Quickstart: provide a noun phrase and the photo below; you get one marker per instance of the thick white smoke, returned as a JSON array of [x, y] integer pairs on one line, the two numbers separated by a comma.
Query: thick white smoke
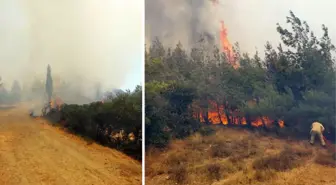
[[84, 41], [250, 22]]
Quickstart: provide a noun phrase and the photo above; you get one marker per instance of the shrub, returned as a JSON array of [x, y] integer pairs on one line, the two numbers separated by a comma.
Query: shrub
[[206, 131], [176, 159], [238, 149], [116, 123], [287, 159], [213, 171], [326, 159], [264, 175], [178, 173]]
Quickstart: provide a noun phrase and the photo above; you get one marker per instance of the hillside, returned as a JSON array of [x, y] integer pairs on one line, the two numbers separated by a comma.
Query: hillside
[[232, 156], [34, 152]]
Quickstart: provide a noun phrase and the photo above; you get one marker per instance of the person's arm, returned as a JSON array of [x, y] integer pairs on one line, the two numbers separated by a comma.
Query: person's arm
[[322, 128]]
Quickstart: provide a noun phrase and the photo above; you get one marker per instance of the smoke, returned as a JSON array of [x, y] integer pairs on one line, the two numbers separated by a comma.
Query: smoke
[[84, 41], [251, 23], [184, 21]]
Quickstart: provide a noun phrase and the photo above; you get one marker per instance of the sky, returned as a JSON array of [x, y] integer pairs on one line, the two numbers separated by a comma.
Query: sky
[[251, 23], [84, 41]]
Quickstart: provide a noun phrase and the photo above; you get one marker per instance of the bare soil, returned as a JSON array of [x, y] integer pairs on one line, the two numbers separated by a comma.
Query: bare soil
[[33, 152]]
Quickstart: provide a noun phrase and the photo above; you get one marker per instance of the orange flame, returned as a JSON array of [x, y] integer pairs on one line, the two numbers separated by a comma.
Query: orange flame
[[225, 43], [216, 115], [56, 103]]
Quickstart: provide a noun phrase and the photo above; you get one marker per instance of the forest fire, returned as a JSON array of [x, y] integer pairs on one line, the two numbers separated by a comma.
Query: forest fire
[[56, 103], [217, 115], [227, 47]]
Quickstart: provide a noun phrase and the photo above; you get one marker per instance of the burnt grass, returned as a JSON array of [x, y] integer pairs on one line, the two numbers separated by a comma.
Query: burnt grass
[[203, 159]]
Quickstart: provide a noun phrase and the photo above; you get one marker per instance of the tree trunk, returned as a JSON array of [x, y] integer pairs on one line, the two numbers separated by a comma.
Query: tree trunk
[[219, 114]]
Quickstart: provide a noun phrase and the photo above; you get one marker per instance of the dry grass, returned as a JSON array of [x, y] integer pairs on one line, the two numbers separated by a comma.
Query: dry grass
[[178, 173], [213, 171], [326, 159], [230, 157], [287, 159], [219, 146], [264, 175]]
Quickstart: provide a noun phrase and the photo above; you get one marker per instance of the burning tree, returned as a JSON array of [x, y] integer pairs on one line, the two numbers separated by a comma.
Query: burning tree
[[291, 87]]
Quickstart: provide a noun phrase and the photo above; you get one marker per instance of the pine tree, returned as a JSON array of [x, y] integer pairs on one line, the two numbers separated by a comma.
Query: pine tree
[[98, 92], [49, 84], [16, 91]]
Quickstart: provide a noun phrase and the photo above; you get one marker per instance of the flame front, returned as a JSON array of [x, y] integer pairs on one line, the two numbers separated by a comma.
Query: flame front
[[226, 46], [216, 115], [56, 103]]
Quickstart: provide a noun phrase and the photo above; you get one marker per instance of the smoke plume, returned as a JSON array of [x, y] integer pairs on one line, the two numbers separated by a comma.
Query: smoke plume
[[251, 23], [84, 41]]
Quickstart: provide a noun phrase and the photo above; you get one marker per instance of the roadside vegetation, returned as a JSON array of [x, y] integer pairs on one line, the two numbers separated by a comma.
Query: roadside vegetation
[[116, 123]]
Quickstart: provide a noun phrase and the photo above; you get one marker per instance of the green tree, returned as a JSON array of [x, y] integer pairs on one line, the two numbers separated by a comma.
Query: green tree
[[294, 82], [49, 84], [98, 92], [16, 91]]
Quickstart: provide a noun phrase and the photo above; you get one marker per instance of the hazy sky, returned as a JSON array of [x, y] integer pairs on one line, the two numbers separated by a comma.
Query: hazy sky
[[249, 22], [83, 40]]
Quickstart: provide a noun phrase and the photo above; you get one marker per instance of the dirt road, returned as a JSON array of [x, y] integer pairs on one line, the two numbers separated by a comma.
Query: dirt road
[[33, 152]]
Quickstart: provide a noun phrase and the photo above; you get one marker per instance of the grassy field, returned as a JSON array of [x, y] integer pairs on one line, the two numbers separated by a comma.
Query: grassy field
[[232, 156]]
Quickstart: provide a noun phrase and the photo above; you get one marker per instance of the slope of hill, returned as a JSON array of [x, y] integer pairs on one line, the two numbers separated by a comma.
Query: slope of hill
[[34, 152], [232, 156]]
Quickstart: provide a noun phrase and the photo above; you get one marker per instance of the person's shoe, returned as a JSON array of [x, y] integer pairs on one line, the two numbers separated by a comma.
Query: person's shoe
[[311, 143]]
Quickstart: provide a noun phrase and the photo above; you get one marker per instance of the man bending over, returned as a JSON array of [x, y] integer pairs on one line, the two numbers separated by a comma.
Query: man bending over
[[316, 130]]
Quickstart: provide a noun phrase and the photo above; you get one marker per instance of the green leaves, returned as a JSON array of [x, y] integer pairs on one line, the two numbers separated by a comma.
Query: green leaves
[[49, 84], [294, 82], [101, 121]]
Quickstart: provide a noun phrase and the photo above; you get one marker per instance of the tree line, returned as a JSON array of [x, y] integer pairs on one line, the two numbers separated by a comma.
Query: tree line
[[115, 122], [294, 83], [11, 96]]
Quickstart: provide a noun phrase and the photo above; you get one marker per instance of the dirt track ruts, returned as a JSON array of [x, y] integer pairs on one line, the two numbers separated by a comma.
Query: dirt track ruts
[[33, 152]]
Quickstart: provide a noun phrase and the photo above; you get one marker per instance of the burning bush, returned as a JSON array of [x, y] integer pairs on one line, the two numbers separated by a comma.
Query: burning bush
[[288, 88], [116, 123]]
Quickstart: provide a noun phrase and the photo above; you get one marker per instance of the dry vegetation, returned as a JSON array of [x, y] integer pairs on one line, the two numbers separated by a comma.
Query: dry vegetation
[[231, 157]]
